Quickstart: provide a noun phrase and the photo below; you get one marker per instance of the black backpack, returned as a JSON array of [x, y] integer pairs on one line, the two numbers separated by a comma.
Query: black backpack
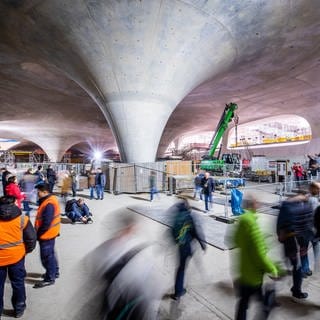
[[69, 204]]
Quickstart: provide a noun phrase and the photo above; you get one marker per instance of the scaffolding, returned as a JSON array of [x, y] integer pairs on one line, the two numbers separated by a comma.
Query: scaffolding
[[35, 157], [66, 157], [7, 157]]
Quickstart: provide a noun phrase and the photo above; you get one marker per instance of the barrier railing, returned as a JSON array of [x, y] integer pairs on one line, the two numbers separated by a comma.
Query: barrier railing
[[268, 194]]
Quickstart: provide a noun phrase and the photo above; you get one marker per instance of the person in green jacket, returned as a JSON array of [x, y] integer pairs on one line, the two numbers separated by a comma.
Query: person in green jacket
[[253, 260]]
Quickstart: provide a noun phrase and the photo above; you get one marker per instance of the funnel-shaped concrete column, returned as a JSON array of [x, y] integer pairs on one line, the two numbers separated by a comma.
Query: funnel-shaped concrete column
[[139, 125], [138, 59], [54, 153], [55, 146]]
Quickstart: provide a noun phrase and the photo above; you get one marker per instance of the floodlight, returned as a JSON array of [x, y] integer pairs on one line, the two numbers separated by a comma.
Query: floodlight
[[97, 155]]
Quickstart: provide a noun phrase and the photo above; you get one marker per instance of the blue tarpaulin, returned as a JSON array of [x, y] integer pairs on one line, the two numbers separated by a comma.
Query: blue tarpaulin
[[236, 199]]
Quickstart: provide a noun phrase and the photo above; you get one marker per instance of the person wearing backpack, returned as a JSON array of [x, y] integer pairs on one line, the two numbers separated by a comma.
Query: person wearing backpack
[[184, 231], [294, 226], [198, 186]]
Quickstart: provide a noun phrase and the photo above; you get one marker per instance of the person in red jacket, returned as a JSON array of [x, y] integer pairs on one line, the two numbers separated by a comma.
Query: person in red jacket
[[12, 189]]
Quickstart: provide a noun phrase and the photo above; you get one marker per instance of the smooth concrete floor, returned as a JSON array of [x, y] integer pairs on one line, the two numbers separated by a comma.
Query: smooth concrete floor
[[210, 293]]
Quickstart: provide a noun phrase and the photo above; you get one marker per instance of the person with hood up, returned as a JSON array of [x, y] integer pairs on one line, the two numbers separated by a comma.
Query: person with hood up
[[17, 237]]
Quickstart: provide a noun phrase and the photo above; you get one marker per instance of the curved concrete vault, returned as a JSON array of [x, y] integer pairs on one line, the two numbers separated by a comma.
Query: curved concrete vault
[[138, 60]]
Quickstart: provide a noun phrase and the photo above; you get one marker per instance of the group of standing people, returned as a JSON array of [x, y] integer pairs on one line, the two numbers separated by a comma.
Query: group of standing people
[[24, 190], [97, 182], [311, 171]]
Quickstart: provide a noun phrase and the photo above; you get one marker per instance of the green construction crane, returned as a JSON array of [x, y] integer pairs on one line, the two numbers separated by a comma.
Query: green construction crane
[[210, 163]]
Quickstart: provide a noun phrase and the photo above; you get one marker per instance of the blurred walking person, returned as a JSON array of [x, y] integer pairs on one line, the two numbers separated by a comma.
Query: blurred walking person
[[184, 232], [294, 223], [51, 177], [253, 261], [17, 238], [27, 186], [153, 185], [198, 187], [65, 185], [40, 178], [317, 235], [313, 199], [124, 281]]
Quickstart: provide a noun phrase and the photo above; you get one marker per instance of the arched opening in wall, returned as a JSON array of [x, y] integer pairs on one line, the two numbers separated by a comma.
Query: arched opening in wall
[[276, 131], [23, 152], [87, 152], [189, 146]]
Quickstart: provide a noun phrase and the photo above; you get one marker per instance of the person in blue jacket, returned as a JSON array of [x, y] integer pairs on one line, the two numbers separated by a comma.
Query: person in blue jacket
[[100, 184], [294, 230], [207, 184], [79, 211]]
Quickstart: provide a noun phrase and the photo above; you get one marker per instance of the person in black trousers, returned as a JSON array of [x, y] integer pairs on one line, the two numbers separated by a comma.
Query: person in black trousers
[[184, 231], [294, 229], [207, 185]]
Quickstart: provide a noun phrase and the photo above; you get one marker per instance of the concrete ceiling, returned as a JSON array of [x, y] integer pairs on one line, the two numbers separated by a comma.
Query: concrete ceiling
[[137, 74]]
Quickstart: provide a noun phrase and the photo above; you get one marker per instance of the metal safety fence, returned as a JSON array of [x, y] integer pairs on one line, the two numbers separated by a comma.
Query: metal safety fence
[[268, 195], [170, 176]]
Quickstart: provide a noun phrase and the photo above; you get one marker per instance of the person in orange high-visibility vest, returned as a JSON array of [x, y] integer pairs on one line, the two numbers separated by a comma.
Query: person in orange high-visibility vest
[[17, 237], [47, 226]]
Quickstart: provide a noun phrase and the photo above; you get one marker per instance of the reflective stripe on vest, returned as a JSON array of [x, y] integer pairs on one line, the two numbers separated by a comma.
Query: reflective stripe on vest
[[10, 244], [52, 225], [16, 243], [12, 233]]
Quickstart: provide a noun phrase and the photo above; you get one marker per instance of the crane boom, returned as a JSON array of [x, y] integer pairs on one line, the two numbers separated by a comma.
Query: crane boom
[[209, 163], [222, 126]]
